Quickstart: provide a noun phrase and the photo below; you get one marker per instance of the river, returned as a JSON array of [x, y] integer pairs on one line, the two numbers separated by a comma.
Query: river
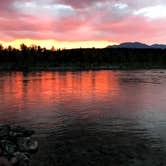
[[107, 117]]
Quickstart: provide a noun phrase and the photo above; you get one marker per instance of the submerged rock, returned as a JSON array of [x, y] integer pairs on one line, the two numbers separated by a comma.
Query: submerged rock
[[27, 144], [16, 145], [21, 159], [8, 147]]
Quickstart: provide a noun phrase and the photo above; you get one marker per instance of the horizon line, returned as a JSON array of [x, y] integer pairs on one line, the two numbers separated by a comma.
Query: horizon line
[[49, 43]]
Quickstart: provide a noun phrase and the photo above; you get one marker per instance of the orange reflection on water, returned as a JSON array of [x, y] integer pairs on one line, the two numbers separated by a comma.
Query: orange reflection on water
[[46, 87], [77, 85], [12, 84]]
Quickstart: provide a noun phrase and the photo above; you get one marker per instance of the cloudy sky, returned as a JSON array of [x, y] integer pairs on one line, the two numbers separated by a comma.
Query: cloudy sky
[[87, 23]]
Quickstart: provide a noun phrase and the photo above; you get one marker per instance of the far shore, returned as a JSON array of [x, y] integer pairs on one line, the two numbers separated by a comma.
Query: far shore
[[78, 68], [37, 59]]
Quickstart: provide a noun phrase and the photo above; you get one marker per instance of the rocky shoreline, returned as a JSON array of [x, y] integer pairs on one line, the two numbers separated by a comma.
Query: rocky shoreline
[[16, 145]]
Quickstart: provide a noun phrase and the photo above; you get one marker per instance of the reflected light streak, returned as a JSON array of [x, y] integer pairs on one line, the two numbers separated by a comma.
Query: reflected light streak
[[49, 87]]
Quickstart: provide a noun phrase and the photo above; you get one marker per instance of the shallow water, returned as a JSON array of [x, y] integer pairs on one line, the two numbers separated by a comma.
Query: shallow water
[[90, 117]]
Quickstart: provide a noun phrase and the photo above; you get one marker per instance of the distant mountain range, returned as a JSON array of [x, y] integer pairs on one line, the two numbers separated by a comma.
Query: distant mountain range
[[138, 45]]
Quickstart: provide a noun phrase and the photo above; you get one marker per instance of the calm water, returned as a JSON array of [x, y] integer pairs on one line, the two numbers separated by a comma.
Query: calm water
[[89, 117]]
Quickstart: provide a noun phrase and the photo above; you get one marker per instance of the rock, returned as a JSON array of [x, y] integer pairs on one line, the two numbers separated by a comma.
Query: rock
[[27, 144], [18, 131], [21, 159], [4, 131], [14, 135], [16, 146], [8, 147]]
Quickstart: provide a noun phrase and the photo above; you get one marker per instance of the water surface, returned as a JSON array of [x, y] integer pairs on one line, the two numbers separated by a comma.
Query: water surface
[[90, 117]]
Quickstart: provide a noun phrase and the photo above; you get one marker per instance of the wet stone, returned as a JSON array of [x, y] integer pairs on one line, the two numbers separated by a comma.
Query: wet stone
[[8, 147], [27, 144], [21, 159], [16, 145]]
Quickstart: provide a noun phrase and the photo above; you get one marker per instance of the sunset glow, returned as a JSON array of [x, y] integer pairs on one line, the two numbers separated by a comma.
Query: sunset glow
[[74, 24], [57, 44]]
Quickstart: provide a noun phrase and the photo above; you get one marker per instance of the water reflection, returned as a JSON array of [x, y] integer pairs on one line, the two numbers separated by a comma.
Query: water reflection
[[80, 116], [74, 85]]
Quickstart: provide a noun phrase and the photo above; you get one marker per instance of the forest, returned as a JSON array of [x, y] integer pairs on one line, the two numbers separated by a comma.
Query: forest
[[35, 57]]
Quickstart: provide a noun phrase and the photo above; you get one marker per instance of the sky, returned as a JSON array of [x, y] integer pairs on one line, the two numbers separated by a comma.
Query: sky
[[85, 23]]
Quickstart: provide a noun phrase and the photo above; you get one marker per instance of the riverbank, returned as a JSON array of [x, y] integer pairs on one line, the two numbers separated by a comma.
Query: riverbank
[[77, 68]]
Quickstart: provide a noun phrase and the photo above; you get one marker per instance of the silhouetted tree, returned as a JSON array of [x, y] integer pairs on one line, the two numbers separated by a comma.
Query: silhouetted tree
[[10, 48], [23, 47], [53, 48], [32, 56], [1, 47]]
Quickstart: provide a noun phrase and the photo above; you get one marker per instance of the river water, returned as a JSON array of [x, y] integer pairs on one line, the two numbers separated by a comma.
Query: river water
[[90, 117]]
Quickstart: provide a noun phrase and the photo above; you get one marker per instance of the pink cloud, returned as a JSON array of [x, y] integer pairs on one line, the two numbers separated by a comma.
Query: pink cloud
[[81, 20]]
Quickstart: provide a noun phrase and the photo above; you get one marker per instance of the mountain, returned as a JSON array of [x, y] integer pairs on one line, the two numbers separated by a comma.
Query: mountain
[[130, 45], [138, 45], [160, 46]]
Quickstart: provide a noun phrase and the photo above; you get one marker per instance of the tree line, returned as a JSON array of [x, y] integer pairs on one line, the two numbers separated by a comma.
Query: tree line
[[35, 56]]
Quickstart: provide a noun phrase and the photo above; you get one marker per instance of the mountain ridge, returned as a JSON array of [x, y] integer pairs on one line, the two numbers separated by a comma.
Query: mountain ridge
[[138, 45]]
